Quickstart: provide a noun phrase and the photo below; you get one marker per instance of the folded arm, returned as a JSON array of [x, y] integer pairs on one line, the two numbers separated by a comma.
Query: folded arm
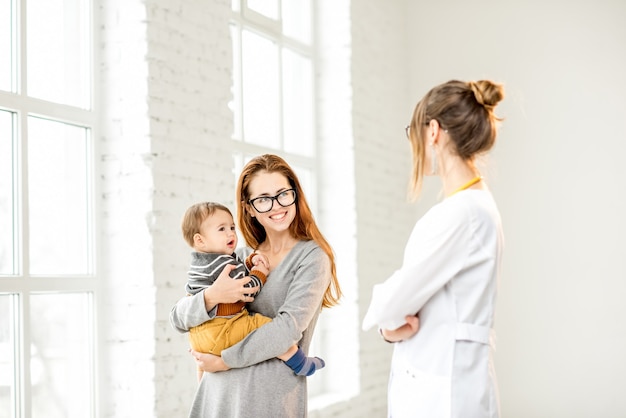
[[191, 311], [434, 254]]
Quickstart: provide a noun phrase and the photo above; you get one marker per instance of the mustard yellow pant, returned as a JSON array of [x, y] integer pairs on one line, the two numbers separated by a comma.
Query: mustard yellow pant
[[220, 333]]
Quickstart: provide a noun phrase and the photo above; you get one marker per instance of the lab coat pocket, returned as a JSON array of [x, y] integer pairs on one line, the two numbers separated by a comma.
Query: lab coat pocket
[[412, 390], [474, 390]]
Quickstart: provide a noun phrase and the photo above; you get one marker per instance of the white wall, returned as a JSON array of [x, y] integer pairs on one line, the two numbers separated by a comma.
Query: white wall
[[166, 73], [384, 216], [556, 173], [165, 81]]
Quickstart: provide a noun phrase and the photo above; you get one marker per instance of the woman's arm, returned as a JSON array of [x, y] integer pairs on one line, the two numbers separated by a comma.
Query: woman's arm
[[189, 312], [405, 332], [194, 310], [227, 290], [436, 251], [302, 302], [209, 362]]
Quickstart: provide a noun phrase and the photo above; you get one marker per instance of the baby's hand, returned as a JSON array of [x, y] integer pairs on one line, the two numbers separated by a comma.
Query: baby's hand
[[260, 259]]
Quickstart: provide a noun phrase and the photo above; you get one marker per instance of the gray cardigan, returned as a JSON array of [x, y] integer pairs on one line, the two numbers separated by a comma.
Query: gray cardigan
[[258, 384]]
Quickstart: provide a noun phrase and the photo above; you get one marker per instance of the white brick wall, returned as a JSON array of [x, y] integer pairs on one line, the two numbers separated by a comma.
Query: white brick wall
[[165, 86], [379, 78], [165, 144], [190, 62], [127, 297]]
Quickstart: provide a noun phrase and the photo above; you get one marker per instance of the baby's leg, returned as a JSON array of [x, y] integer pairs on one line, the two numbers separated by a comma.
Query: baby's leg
[[299, 363], [294, 357]]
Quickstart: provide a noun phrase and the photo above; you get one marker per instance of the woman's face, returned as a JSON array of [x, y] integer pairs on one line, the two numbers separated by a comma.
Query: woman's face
[[265, 184]]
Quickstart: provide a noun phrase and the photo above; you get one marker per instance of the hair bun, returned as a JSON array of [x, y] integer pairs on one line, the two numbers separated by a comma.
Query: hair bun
[[487, 92]]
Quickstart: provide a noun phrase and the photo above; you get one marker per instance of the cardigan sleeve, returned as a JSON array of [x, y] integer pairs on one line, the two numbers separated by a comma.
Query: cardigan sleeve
[[190, 312], [435, 252]]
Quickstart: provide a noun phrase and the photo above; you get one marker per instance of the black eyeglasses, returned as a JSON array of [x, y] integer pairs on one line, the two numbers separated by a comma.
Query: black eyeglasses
[[407, 129], [264, 204]]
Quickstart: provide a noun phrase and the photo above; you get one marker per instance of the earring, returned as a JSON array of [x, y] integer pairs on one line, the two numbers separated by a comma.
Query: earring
[[433, 160]]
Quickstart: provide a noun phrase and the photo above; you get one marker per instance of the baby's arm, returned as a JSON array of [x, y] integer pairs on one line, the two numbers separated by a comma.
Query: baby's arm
[[258, 265], [258, 262]]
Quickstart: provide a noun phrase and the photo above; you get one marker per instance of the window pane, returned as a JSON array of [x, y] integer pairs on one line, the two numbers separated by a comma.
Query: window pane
[[58, 52], [7, 254], [61, 355], [260, 91], [58, 198], [268, 8], [297, 103], [297, 20], [8, 366], [6, 51]]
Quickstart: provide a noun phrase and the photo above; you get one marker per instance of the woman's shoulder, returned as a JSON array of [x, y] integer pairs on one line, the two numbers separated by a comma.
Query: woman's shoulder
[[307, 249], [471, 209], [462, 202], [304, 247], [457, 212]]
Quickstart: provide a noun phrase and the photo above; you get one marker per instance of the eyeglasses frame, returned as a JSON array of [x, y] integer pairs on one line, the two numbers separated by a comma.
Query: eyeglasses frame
[[407, 129], [274, 199]]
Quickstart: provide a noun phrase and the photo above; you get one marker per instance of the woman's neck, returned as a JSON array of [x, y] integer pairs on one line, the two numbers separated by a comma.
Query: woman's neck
[[276, 247], [458, 175], [278, 243]]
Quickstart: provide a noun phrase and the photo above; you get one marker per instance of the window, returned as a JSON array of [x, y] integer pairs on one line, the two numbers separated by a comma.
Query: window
[[47, 246], [273, 104], [282, 70]]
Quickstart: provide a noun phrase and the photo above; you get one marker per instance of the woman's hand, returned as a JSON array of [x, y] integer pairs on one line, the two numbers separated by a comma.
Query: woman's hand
[[405, 332], [227, 290], [209, 362]]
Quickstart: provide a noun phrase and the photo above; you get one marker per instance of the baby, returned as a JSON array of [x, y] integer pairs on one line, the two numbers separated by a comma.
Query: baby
[[209, 229]]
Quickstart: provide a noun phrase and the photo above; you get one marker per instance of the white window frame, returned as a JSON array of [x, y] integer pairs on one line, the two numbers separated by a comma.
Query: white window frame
[[253, 21], [22, 285]]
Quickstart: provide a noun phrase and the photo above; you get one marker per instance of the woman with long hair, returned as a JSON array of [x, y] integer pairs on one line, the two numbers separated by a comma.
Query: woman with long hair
[[438, 307], [275, 221]]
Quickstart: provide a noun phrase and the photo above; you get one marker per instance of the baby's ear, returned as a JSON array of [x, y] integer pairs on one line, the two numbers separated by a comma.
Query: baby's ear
[[197, 239]]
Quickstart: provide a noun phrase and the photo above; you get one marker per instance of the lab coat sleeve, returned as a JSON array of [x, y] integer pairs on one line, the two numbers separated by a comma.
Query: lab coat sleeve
[[435, 252]]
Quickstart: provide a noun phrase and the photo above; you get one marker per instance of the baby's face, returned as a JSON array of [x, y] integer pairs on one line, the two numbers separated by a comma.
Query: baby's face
[[217, 234]]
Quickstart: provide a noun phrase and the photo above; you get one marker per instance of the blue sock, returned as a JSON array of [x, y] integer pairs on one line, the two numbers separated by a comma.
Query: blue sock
[[303, 365]]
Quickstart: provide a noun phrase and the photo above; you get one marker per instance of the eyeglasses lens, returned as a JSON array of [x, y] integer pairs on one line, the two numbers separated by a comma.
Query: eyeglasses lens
[[265, 203]]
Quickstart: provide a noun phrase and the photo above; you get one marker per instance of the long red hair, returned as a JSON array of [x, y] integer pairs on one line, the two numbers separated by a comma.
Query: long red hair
[[303, 226]]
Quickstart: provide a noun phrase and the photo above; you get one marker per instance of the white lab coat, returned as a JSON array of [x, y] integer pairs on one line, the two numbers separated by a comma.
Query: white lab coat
[[449, 275]]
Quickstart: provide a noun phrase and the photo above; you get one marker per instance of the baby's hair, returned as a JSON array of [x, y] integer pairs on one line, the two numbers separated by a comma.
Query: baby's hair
[[195, 215]]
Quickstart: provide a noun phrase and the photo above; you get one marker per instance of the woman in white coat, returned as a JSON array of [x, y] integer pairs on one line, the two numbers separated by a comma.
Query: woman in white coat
[[438, 307]]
